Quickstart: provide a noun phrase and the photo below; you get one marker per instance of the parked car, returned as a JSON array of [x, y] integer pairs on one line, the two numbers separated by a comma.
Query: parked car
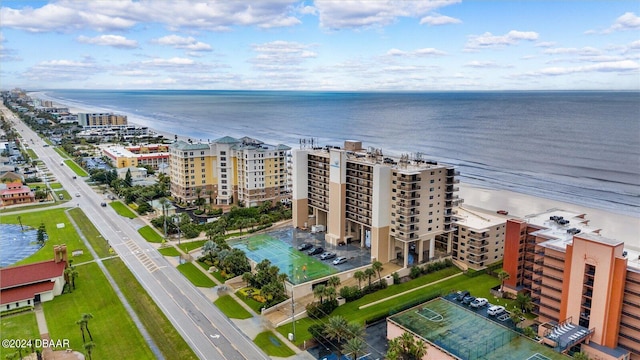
[[340, 260], [304, 246], [494, 310], [478, 303], [461, 295], [468, 299], [315, 251], [327, 255], [103, 204]]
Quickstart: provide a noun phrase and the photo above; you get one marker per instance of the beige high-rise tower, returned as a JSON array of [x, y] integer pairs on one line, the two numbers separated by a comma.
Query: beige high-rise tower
[[400, 208]]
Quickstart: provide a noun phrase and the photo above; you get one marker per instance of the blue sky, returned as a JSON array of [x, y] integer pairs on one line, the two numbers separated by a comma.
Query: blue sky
[[320, 45]]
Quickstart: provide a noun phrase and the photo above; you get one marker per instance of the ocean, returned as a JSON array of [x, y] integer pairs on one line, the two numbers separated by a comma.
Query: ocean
[[581, 147]]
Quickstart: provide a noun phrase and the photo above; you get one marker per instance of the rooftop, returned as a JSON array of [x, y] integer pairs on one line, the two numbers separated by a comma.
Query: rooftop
[[478, 219], [31, 273], [21, 293]]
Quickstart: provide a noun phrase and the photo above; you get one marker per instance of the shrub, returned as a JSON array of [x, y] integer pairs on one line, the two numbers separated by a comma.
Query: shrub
[[396, 278], [350, 293], [415, 272], [317, 331], [319, 310]]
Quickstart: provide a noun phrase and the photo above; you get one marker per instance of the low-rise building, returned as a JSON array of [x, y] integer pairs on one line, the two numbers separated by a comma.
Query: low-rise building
[[101, 119], [152, 155], [27, 285], [16, 193]]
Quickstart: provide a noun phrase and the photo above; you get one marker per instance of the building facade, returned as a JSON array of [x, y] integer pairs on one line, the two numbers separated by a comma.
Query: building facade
[[576, 276], [16, 193], [101, 119], [478, 238], [228, 171], [402, 209], [156, 156]]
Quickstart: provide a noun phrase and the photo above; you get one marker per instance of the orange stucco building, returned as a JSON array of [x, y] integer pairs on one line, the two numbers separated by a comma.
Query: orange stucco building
[[576, 276]]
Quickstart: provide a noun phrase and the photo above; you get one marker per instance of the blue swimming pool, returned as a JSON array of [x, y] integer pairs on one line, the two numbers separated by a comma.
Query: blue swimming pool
[[16, 244]]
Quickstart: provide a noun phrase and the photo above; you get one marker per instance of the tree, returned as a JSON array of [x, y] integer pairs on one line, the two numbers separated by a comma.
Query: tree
[[209, 250], [330, 293], [42, 234], [89, 347], [503, 276], [581, 356], [529, 332], [406, 347], [319, 292], [354, 348], [86, 317], [20, 222], [82, 323], [247, 277], [359, 275], [336, 329], [333, 281], [128, 179], [524, 302], [516, 316], [377, 267], [369, 272]]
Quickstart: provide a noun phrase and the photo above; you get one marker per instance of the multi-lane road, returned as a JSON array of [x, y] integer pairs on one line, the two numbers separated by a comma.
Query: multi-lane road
[[210, 333]]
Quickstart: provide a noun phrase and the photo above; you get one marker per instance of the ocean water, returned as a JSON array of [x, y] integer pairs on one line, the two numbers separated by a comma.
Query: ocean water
[[578, 147]]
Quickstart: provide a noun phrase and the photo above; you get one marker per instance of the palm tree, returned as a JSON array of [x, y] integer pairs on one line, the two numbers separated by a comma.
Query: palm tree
[[86, 317], [319, 292], [335, 329], [247, 277], [330, 293], [209, 250], [524, 302], [354, 347], [82, 324], [89, 347], [359, 275], [333, 281], [406, 347], [516, 316], [74, 275], [377, 267], [369, 272], [198, 190], [503, 276]]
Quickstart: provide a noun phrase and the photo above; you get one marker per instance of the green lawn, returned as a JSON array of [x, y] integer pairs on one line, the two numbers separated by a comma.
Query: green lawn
[[270, 344], [98, 243], [61, 151], [56, 185], [32, 154], [65, 235], [166, 337], [188, 246], [123, 210], [150, 234], [230, 307], [478, 286], [113, 330], [76, 169], [65, 195], [215, 274], [19, 326], [169, 251], [196, 276]]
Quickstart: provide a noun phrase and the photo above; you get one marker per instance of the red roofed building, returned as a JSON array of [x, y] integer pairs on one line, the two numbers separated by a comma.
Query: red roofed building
[[26, 285], [16, 193]]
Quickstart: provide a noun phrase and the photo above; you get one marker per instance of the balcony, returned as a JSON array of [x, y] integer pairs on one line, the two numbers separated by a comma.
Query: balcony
[[408, 196], [408, 187]]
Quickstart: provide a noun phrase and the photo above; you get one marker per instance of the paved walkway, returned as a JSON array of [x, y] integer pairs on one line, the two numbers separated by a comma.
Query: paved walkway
[[47, 352]]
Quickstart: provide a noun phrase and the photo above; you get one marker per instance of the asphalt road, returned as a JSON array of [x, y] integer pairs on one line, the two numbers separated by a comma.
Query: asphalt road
[[210, 333]]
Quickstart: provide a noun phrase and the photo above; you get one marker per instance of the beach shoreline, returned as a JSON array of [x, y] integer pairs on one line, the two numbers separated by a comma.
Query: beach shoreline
[[614, 225]]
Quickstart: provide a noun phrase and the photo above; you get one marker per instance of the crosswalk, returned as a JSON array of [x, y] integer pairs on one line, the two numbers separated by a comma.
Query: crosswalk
[[135, 250]]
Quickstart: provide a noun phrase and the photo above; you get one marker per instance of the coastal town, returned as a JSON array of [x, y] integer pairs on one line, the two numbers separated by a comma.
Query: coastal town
[[232, 248]]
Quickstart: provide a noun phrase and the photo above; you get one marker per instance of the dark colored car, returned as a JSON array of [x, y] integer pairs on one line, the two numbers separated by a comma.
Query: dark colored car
[[468, 299], [304, 246], [103, 204], [315, 251], [461, 295]]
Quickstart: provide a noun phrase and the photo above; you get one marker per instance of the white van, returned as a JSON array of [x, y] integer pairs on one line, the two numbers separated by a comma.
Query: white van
[[494, 310]]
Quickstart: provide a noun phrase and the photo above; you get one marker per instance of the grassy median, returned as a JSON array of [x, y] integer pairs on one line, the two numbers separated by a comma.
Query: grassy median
[[197, 277], [230, 307], [123, 210], [150, 234]]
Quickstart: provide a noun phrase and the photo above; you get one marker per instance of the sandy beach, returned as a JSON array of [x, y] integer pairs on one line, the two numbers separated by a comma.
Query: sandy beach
[[615, 226]]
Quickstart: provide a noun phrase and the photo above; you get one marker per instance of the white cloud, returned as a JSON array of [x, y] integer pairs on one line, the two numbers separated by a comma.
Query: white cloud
[[216, 15], [179, 42], [366, 13], [582, 51], [63, 70], [545, 44], [437, 19], [281, 56], [610, 66], [488, 40], [485, 64], [628, 21], [415, 53], [116, 41], [176, 61]]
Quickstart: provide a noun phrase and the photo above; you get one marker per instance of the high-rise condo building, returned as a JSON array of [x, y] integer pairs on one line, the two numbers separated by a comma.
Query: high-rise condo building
[[101, 119], [577, 279], [228, 171], [478, 238], [400, 208]]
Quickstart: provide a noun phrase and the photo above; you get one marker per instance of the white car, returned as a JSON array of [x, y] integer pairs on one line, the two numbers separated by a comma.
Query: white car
[[478, 303], [495, 310], [340, 260]]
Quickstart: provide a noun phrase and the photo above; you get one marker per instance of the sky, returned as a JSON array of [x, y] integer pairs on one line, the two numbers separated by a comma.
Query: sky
[[344, 45]]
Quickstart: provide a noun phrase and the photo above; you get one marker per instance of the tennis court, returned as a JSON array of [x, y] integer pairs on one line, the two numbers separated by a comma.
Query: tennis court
[[468, 335], [296, 264]]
